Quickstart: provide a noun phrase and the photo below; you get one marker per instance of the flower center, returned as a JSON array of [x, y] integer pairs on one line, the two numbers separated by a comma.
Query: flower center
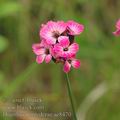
[[56, 34], [65, 49], [47, 51], [70, 61]]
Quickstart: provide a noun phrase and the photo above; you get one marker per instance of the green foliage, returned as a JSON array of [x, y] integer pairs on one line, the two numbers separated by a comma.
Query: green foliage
[[9, 8], [20, 21], [3, 44], [15, 84]]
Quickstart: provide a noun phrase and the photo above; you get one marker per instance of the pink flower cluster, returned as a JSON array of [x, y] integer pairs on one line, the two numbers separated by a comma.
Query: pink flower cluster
[[57, 43], [117, 32]]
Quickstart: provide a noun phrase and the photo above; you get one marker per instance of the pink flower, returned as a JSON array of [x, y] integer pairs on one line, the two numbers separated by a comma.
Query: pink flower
[[71, 62], [58, 43], [52, 30], [74, 28], [117, 32], [42, 53], [64, 49]]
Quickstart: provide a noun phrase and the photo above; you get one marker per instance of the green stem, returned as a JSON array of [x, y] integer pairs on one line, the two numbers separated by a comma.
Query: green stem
[[71, 97]]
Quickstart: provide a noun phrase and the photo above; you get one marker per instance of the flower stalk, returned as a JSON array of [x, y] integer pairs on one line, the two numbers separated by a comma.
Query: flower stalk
[[71, 97]]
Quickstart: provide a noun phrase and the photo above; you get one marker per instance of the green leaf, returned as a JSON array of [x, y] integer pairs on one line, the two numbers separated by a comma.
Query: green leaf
[[3, 43]]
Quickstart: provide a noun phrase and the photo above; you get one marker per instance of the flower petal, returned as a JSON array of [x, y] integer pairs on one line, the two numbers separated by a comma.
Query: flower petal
[[75, 63], [118, 24], [61, 26], [66, 67], [64, 41], [74, 48], [51, 41], [40, 59], [45, 44], [38, 49], [48, 58], [58, 48], [74, 28], [66, 54], [37, 45], [46, 33], [117, 32], [52, 52]]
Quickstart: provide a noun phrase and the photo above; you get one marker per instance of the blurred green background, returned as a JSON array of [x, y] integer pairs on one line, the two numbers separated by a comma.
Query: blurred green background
[[96, 85]]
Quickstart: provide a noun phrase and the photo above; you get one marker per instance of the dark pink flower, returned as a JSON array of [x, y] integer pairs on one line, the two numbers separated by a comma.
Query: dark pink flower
[[74, 28], [42, 53], [64, 49], [117, 32], [52, 30], [71, 62]]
